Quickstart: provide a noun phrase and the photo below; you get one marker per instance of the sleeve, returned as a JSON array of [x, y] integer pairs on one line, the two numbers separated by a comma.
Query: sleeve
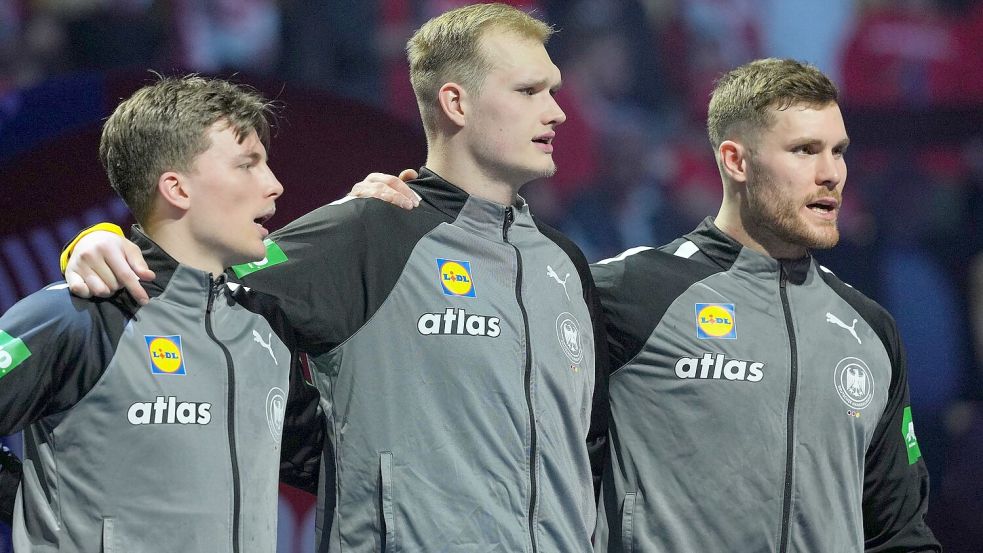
[[10, 476], [303, 432], [303, 422], [315, 267], [620, 343], [50, 355], [895, 498], [597, 435]]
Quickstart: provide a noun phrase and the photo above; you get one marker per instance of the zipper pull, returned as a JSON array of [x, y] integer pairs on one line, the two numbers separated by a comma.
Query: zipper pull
[[213, 288], [509, 218]]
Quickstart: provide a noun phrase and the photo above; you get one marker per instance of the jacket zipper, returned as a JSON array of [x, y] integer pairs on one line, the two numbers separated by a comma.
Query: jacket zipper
[[509, 219], [231, 415], [790, 414]]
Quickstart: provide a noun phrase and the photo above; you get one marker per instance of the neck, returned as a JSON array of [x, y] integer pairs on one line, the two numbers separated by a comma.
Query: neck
[[731, 221], [176, 239], [461, 170]]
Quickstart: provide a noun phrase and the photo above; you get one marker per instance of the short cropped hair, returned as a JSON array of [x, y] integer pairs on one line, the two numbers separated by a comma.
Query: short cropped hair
[[448, 49], [743, 98], [163, 127]]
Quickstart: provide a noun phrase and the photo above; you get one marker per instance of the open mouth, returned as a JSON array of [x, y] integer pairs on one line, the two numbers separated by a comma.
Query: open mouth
[[263, 218], [824, 206], [545, 138]]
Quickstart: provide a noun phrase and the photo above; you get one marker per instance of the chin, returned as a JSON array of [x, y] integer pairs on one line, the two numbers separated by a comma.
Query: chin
[[253, 255], [818, 238], [544, 171]]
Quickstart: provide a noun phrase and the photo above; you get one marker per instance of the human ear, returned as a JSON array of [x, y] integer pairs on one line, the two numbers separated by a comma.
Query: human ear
[[452, 99], [172, 187], [733, 160]]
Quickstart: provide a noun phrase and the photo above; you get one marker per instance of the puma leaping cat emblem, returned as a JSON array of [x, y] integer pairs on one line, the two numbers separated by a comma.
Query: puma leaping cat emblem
[[259, 340], [831, 318], [552, 274]]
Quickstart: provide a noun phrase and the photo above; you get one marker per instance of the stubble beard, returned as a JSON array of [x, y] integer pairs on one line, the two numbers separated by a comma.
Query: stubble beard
[[778, 216]]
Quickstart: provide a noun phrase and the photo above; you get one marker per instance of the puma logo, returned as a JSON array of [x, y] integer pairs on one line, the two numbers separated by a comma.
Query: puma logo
[[552, 274], [831, 318], [259, 340]]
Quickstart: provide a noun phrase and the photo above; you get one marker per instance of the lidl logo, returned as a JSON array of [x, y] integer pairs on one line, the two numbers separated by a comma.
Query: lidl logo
[[166, 355], [456, 278], [274, 256], [715, 321], [13, 352]]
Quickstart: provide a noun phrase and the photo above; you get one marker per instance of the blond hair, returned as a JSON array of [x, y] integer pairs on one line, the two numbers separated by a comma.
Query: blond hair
[[448, 49], [163, 127], [743, 98]]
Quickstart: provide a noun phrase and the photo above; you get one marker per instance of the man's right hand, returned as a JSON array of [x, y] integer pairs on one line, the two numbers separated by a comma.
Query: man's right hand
[[389, 188], [102, 262]]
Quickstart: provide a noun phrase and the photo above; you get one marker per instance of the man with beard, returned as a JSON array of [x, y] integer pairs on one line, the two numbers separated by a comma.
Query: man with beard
[[757, 402]]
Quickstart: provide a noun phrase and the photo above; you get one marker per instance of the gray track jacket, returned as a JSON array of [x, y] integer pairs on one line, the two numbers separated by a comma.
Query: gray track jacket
[[455, 353], [756, 406], [147, 429]]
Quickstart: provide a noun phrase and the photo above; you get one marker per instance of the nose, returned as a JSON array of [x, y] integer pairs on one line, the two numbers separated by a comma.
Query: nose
[[830, 170], [554, 114], [276, 188]]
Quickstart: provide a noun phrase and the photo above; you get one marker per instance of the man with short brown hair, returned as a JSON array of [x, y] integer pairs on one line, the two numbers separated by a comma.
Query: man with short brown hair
[[157, 426], [758, 403]]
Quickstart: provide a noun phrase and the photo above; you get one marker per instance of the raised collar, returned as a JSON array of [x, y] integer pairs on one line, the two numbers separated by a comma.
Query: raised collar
[[723, 250], [173, 281], [483, 217]]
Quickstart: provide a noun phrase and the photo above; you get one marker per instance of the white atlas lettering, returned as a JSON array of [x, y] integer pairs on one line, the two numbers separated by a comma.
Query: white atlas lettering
[[718, 367], [168, 410], [457, 322]]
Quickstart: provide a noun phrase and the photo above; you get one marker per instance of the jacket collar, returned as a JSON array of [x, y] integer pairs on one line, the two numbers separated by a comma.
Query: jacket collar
[[723, 250], [472, 213], [179, 283]]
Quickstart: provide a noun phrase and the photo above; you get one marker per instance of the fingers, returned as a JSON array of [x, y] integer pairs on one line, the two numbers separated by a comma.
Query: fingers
[[76, 284], [387, 188], [408, 175], [131, 270], [402, 188], [102, 263], [96, 269]]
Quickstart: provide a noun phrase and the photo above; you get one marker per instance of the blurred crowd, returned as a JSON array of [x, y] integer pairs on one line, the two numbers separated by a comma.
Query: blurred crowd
[[635, 164]]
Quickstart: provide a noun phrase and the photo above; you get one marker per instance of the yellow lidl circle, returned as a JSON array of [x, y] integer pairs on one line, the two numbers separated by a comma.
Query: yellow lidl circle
[[456, 278], [165, 355], [715, 321]]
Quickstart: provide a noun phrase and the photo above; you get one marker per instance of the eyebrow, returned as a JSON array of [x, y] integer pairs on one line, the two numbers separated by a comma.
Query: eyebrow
[[810, 140], [254, 157], [540, 83]]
